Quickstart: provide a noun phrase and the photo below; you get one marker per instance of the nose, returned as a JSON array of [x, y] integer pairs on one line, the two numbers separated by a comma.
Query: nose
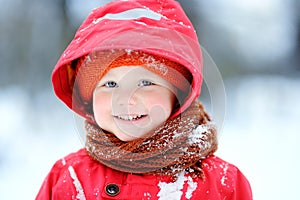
[[125, 96]]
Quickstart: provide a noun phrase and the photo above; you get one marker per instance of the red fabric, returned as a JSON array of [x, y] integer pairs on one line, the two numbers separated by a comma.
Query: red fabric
[[172, 37], [221, 181]]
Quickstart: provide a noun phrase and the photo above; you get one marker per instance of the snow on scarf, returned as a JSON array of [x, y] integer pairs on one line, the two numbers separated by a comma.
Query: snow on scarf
[[180, 144]]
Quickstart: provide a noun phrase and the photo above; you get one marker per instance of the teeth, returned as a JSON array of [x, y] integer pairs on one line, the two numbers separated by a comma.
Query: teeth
[[129, 118]]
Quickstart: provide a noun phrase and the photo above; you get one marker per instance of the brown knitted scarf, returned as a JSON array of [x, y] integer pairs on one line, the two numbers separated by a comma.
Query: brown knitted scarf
[[180, 144]]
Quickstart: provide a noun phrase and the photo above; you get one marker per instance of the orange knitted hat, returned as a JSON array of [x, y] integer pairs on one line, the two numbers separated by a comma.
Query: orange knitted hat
[[95, 65]]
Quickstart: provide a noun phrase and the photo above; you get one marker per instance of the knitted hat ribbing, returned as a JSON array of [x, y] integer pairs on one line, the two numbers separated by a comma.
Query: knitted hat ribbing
[[98, 63]]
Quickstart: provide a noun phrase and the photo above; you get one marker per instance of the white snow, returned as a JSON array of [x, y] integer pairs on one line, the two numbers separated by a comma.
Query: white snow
[[198, 135], [192, 186], [224, 173], [80, 193], [34, 133], [172, 190], [63, 161], [260, 136], [147, 196]]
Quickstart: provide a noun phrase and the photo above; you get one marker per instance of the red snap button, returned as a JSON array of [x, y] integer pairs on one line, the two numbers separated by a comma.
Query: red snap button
[[112, 189]]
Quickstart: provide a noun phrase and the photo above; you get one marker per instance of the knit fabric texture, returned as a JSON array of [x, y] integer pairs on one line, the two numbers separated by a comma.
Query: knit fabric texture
[[178, 145], [94, 66]]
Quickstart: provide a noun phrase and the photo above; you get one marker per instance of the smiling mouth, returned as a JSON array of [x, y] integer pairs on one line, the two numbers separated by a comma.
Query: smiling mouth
[[130, 117]]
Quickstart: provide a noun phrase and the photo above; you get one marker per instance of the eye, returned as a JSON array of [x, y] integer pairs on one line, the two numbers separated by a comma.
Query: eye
[[110, 84], [145, 83]]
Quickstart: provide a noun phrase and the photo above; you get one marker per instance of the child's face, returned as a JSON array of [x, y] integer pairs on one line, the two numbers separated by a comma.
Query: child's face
[[131, 101]]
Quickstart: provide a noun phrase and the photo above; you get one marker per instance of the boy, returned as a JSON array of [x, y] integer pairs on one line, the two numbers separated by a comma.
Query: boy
[[133, 71]]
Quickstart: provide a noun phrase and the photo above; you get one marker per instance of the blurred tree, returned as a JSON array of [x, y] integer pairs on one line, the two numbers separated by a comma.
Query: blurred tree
[[297, 51], [67, 29], [50, 34], [33, 34]]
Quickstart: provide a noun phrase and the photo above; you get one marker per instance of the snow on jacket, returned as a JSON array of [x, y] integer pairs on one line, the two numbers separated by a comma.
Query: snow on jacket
[[158, 27], [77, 176]]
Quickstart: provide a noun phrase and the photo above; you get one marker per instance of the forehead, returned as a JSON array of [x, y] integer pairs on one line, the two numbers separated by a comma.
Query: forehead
[[129, 71], [135, 73]]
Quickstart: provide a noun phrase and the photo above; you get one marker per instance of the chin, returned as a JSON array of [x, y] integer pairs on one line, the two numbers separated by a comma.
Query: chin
[[127, 137]]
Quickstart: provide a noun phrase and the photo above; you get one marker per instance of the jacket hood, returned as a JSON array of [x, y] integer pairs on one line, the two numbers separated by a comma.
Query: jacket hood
[[157, 27]]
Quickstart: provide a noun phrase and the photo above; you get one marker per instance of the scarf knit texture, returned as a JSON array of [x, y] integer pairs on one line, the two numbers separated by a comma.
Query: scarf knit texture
[[178, 145]]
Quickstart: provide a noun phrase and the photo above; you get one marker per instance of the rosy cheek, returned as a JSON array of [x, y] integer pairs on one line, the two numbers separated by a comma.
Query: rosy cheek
[[101, 104], [101, 97], [164, 98], [159, 107]]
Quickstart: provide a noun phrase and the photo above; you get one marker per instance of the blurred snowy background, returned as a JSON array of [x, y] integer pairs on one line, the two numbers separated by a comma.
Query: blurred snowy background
[[255, 44]]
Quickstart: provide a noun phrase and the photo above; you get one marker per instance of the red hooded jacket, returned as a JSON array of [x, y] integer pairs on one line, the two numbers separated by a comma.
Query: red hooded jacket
[[77, 176], [158, 27]]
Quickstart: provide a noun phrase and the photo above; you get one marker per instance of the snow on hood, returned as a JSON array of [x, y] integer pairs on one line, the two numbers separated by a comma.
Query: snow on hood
[[155, 27]]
